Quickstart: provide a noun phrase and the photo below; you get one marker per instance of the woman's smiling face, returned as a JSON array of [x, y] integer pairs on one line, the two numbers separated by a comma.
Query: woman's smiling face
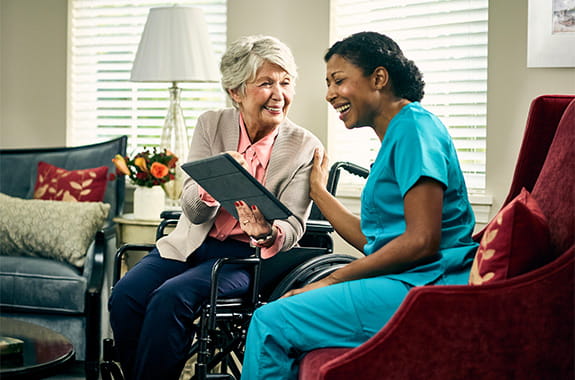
[[350, 92], [267, 98]]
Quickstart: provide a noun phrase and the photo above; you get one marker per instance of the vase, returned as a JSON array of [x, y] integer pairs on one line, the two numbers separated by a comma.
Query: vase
[[149, 202]]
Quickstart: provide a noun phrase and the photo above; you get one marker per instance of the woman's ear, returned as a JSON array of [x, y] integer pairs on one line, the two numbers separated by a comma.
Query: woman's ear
[[380, 77], [234, 94]]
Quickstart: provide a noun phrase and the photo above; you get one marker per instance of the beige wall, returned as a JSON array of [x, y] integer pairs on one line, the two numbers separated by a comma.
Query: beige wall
[[33, 71], [511, 87]]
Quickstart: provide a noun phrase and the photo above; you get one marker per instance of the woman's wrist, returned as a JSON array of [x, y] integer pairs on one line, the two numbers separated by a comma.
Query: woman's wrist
[[264, 241]]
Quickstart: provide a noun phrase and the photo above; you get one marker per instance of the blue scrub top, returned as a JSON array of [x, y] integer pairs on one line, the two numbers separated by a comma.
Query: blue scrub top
[[417, 144]]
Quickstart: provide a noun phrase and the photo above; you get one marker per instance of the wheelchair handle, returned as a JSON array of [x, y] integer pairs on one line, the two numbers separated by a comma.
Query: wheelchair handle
[[355, 169], [347, 166]]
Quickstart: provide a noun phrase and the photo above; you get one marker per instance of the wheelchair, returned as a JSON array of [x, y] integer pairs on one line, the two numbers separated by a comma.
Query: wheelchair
[[222, 323]]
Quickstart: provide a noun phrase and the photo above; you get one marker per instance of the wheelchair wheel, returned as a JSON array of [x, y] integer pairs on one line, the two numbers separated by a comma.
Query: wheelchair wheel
[[309, 271]]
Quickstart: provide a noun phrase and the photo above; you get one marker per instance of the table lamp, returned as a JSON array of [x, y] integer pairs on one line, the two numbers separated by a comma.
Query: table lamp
[[175, 47]]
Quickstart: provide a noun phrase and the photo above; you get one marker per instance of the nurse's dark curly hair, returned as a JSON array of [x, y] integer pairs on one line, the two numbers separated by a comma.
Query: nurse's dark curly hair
[[368, 50]]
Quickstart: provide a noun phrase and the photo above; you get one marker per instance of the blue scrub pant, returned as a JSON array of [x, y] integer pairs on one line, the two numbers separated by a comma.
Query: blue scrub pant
[[153, 307], [341, 315]]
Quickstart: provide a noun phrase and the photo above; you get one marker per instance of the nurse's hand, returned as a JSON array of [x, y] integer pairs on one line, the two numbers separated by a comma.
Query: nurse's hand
[[319, 174], [314, 285]]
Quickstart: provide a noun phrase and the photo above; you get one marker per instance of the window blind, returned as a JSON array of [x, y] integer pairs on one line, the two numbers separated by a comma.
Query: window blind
[[447, 40], [102, 102]]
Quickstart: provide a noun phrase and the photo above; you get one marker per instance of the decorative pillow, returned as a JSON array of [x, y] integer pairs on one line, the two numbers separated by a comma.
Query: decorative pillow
[[58, 230], [515, 242], [57, 184]]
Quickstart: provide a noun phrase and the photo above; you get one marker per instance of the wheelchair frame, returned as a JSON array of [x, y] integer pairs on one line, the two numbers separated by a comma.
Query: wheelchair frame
[[223, 322]]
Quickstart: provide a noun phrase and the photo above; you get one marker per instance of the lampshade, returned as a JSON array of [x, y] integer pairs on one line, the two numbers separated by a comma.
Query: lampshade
[[175, 47]]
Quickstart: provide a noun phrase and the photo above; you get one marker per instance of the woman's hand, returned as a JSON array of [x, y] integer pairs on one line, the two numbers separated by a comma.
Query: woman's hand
[[319, 174], [252, 221], [239, 158]]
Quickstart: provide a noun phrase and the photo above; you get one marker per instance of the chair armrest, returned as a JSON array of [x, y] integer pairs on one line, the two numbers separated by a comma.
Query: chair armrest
[[475, 331], [95, 270], [96, 257], [95, 265]]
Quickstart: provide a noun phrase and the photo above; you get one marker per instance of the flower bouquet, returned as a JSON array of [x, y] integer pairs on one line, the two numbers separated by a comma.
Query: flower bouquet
[[147, 168], [152, 172]]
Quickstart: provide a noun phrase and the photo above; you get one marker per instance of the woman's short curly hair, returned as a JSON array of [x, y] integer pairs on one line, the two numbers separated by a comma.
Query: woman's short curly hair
[[243, 58], [369, 50]]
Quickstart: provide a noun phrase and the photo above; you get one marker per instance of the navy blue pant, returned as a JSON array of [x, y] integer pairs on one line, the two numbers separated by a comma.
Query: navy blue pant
[[153, 307]]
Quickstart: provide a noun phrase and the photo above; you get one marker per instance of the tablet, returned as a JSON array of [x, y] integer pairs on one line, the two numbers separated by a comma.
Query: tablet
[[227, 182]]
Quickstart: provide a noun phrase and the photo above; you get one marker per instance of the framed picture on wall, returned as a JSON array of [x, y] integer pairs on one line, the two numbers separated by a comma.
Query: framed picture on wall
[[551, 33]]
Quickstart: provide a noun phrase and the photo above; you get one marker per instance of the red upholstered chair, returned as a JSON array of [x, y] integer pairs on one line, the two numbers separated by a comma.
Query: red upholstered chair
[[516, 328]]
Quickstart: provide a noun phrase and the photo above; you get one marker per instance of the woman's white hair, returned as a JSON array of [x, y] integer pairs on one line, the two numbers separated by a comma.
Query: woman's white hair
[[244, 57]]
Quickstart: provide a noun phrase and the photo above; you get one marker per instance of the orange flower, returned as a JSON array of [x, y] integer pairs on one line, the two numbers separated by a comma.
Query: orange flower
[[121, 165], [159, 170], [140, 162]]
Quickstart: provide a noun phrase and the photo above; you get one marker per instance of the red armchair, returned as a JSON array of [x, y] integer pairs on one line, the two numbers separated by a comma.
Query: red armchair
[[518, 328]]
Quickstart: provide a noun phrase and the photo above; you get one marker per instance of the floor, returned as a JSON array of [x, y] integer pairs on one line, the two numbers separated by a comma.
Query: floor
[[74, 372]]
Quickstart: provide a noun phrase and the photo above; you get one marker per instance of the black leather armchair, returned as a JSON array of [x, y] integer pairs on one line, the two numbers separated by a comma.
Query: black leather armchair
[[55, 294]]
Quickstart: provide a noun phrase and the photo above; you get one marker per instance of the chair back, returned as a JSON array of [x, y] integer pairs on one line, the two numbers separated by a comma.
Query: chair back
[[554, 189], [23, 163], [544, 115]]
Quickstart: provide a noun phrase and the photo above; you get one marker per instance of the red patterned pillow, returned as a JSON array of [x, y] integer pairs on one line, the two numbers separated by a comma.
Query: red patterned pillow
[[57, 184], [515, 242]]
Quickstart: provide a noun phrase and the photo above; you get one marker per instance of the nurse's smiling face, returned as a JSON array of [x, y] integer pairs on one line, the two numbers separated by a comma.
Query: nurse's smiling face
[[350, 92]]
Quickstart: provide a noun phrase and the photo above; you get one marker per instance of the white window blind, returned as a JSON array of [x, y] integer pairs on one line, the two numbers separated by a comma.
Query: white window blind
[[102, 102], [447, 40]]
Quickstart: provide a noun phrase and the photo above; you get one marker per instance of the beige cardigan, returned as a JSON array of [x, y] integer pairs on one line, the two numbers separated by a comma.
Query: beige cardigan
[[287, 177]]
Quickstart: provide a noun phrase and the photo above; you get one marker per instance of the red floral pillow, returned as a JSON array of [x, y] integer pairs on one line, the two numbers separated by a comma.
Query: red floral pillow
[[57, 184], [515, 242]]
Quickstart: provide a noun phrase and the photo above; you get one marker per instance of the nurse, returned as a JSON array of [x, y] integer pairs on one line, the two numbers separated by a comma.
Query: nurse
[[416, 220]]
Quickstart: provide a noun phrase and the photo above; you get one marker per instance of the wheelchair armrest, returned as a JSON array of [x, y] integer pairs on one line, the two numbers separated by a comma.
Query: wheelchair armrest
[[120, 256], [216, 268], [322, 226], [171, 214], [169, 219]]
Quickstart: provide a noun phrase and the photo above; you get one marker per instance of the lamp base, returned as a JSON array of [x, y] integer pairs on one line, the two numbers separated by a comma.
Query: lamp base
[[175, 139]]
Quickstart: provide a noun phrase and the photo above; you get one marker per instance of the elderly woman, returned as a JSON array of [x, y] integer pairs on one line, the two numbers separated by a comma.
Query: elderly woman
[[152, 308], [416, 221]]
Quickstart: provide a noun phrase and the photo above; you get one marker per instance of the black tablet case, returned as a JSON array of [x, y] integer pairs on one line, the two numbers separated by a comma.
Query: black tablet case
[[227, 181]]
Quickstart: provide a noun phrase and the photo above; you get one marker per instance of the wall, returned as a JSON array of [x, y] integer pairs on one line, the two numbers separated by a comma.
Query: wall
[[33, 73], [511, 87]]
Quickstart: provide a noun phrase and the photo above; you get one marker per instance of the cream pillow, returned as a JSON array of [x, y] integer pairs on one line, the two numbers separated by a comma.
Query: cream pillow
[[52, 229]]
